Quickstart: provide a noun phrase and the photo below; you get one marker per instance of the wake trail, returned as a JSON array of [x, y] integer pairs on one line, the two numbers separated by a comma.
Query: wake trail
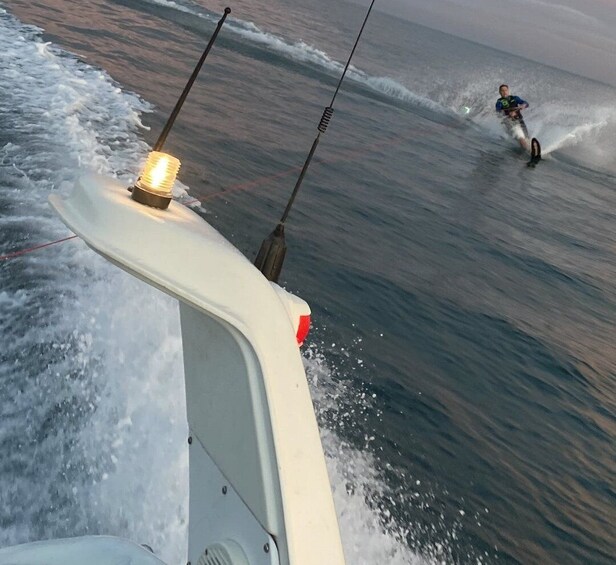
[[298, 51]]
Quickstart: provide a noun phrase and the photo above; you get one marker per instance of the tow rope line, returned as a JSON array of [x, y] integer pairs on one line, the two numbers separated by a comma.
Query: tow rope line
[[248, 185], [348, 156], [35, 248]]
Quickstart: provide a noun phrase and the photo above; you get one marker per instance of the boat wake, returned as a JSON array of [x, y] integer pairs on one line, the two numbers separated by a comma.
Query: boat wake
[[264, 44]]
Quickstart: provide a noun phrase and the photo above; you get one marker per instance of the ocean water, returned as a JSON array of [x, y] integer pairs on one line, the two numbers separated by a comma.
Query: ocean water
[[462, 362]]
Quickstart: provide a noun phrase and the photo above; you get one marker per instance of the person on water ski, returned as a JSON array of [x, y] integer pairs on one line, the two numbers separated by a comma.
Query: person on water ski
[[509, 107]]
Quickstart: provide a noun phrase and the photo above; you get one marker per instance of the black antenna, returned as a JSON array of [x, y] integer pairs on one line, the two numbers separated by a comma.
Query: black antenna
[[273, 249], [178, 106], [152, 198]]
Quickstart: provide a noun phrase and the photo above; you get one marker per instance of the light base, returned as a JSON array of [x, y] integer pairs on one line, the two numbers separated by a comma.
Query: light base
[[150, 199]]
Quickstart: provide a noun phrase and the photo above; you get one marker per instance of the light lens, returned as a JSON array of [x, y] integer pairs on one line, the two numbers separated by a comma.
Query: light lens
[[303, 329], [159, 173]]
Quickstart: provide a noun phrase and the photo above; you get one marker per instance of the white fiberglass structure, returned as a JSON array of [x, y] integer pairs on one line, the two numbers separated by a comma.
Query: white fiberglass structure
[[259, 490]]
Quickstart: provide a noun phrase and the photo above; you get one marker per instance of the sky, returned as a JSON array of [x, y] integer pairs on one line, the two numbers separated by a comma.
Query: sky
[[575, 35]]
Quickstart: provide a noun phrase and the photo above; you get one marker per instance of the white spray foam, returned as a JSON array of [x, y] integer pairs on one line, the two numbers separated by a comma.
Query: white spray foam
[[135, 442], [66, 118], [174, 5], [588, 132], [73, 119], [76, 108], [363, 499]]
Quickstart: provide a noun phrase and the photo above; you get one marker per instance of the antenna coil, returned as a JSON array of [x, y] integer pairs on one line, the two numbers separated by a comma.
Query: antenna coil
[[325, 119]]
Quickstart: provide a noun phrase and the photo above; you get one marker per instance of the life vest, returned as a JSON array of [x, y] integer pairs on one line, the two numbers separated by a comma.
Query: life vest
[[508, 104]]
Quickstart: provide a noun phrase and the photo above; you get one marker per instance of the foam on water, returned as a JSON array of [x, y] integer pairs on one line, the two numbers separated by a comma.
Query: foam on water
[[363, 497], [302, 52], [69, 413], [172, 4], [72, 415]]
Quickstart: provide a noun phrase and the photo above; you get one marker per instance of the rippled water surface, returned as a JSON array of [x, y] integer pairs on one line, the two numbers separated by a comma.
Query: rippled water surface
[[462, 364]]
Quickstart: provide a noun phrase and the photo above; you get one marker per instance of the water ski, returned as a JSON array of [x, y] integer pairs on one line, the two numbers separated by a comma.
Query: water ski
[[535, 152]]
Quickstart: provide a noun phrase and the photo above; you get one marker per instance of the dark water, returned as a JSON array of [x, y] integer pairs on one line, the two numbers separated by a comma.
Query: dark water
[[462, 365]]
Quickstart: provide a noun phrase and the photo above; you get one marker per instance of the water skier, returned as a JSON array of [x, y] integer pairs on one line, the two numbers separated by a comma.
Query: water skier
[[509, 107]]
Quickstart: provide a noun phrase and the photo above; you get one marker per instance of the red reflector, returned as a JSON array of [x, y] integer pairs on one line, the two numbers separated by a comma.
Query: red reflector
[[303, 329]]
